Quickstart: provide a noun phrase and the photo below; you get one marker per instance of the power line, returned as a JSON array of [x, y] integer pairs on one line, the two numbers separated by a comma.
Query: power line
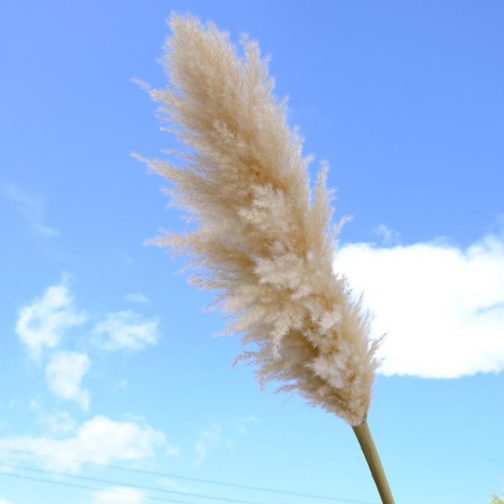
[[131, 485], [83, 487], [88, 487], [196, 480]]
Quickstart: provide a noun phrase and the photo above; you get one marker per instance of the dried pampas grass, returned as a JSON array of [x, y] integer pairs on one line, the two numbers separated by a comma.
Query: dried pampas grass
[[261, 240]]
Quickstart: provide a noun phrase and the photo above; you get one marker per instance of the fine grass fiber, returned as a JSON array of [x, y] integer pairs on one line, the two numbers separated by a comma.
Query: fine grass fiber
[[262, 240]]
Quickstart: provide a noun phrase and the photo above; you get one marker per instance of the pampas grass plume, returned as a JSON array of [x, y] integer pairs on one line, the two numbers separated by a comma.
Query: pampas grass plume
[[261, 239]]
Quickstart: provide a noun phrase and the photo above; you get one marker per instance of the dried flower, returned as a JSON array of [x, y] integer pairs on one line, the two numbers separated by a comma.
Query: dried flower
[[260, 240]]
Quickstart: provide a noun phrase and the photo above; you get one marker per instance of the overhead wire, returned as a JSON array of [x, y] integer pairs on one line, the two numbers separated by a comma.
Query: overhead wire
[[131, 485], [184, 478], [85, 487]]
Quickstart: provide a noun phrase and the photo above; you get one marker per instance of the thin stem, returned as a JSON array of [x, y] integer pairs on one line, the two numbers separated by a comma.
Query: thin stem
[[369, 449]]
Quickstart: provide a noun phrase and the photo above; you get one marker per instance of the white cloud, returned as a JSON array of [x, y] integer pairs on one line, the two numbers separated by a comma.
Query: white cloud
[[441, 306], [136, 297], [118, 495], [43, 322], [99, 440], [208, 440], [5, 501], [64, 374], [126, 330], [32, 207]]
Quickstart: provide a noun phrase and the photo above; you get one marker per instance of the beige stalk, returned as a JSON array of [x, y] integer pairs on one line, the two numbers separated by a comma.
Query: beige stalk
[[372, 458]]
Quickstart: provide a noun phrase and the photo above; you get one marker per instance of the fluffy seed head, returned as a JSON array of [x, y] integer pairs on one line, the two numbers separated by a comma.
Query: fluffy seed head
[[261, 241]]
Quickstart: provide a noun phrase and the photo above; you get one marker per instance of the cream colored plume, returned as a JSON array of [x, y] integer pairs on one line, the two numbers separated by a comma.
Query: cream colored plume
[[259, 239]]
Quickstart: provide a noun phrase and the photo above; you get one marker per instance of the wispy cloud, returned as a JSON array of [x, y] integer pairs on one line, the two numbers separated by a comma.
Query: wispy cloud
[[172, 451], [242, 424], [59, 423], [126, 330], [64, 374], [32, 207], [388, 236], [118, 495], [44, 322], [217, 436], [136, 297], [99, 440], [441, 306], [5, 501], [209, 439]]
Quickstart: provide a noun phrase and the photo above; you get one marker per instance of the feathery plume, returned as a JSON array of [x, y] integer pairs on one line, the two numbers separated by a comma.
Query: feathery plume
[[261, 240]]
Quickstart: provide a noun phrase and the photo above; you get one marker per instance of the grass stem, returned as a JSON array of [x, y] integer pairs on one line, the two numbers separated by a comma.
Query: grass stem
[[369, 449]]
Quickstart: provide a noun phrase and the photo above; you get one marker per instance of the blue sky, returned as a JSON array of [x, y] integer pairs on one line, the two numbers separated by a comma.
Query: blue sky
[[107, 356]]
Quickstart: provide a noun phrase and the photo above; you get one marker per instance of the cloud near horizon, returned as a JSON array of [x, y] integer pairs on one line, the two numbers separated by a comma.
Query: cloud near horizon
[[118, 495], [99, 440], [441, 306]]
